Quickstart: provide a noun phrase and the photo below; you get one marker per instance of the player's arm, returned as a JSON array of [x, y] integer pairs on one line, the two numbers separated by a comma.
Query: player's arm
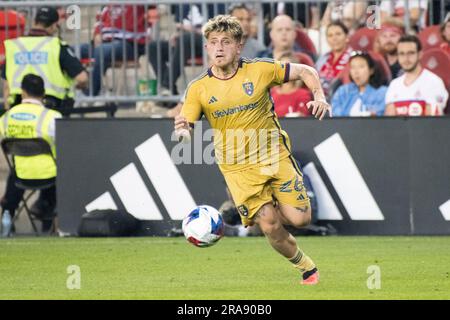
[[191, 111], [310, 77], [390, 110]]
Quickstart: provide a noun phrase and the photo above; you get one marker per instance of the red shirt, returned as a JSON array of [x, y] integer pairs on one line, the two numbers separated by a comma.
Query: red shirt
[[112, 25], [291, 102]]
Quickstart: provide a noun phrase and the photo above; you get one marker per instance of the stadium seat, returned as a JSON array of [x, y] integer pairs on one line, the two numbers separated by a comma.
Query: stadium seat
[[12, 25], [305, 42], [438, 62], [304, 58], [27, 147], [363, 39], [430, 37]]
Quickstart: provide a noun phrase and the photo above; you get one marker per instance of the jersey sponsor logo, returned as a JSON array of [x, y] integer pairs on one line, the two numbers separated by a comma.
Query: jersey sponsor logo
[[248, 87], [31, 57], [22, 116], [230, 111]]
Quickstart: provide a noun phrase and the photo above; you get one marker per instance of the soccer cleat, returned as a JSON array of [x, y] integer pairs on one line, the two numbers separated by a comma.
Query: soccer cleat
[[310, 277]]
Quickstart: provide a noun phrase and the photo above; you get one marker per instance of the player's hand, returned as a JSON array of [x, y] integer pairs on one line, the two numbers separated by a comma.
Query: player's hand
[[181, 123], [319, 108], [182, 128]]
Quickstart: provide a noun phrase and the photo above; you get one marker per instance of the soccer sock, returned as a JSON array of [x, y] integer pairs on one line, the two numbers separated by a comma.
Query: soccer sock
[[302, 262]]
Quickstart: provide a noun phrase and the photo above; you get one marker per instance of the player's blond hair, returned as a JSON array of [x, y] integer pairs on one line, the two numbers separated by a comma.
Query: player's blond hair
[[224, 23]]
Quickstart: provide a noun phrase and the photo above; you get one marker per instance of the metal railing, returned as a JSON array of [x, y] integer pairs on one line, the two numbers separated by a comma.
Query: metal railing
[[129, 70]]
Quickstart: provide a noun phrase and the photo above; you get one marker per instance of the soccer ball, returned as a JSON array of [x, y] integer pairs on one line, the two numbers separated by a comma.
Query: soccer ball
[[203, 226]]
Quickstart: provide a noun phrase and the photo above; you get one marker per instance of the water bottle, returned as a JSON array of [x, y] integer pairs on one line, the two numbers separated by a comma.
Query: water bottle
[[6, 223]]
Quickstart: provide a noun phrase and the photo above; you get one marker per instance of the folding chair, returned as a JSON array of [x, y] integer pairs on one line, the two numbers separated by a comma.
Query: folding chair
[[26, 148]]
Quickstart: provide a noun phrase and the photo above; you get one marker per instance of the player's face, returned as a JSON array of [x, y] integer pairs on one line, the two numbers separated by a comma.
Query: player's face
[[337, 39], [388, 41], [222, 49], [360, 71], [408, 56]]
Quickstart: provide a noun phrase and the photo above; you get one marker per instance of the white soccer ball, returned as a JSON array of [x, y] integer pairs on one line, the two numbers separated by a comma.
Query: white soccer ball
[[203, 226]]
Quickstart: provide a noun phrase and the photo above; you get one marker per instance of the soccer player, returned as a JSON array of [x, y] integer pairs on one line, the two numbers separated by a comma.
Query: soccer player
[[260, 171]]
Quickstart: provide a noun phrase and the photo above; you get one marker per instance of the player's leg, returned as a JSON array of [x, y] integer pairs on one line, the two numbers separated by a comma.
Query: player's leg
[[294, 209], [279, 238], [269, 220], [295, 216], [252, 194], [290, 192]]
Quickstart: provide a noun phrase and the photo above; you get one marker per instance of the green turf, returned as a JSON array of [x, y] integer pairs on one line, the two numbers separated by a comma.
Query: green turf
[[236, 268]]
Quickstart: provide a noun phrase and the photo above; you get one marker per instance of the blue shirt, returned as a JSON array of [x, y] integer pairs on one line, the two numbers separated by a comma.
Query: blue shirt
[[348, 96]]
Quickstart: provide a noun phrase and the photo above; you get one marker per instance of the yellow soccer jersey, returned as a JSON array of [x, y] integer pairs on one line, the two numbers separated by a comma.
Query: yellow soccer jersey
[[240, 109]]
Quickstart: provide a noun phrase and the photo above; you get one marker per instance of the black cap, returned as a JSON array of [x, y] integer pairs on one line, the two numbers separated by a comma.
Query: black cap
[[46, 16]]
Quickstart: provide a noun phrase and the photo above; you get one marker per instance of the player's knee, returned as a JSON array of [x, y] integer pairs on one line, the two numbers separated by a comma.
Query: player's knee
[[268, 221], [303, 218]]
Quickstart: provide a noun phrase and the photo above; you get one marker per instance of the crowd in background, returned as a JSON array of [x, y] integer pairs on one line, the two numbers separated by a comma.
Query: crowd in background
[[356, 55]]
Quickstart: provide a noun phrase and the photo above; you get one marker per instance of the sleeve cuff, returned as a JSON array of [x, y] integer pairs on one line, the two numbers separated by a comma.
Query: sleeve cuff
[[286, 74]]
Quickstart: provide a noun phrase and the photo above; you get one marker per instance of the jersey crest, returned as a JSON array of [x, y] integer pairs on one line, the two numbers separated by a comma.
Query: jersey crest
[[248, 87]]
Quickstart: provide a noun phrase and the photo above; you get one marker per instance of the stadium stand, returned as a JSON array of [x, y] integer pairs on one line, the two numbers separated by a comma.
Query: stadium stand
[[430, 37]]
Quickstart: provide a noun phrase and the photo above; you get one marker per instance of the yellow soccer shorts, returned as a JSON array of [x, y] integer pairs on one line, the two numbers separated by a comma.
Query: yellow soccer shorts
[[254, 187]]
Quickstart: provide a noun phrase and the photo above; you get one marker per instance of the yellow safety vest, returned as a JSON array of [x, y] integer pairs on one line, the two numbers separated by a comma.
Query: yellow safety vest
[[31, 121], [39, 56]]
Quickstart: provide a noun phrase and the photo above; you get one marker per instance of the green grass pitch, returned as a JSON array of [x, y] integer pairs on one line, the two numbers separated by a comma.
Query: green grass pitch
[[236, 268]]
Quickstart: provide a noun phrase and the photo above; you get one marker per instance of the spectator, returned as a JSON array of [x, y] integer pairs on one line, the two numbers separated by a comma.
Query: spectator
[[394, 10], [351, 13], [332, 63], [307, 14], [290, 98], [40, 123], [118, 29], [418, 91], [190, 19], [386, 44], [364, 95], [445, 32], [251, 46], [282, 36], [58, 65]]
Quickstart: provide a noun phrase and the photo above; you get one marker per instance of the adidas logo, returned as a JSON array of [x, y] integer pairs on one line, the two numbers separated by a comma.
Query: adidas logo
[[212, 100], [130, 187]]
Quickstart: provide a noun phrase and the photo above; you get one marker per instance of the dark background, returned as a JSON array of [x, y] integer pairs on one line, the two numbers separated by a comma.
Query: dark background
[[404, 161]]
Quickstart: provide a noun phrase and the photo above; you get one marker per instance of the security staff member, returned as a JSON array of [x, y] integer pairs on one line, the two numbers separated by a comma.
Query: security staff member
[[31, 119], [42, 53]]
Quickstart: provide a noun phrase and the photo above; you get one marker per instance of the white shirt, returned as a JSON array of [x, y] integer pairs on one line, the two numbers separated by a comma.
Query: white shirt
[[428, 88]]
